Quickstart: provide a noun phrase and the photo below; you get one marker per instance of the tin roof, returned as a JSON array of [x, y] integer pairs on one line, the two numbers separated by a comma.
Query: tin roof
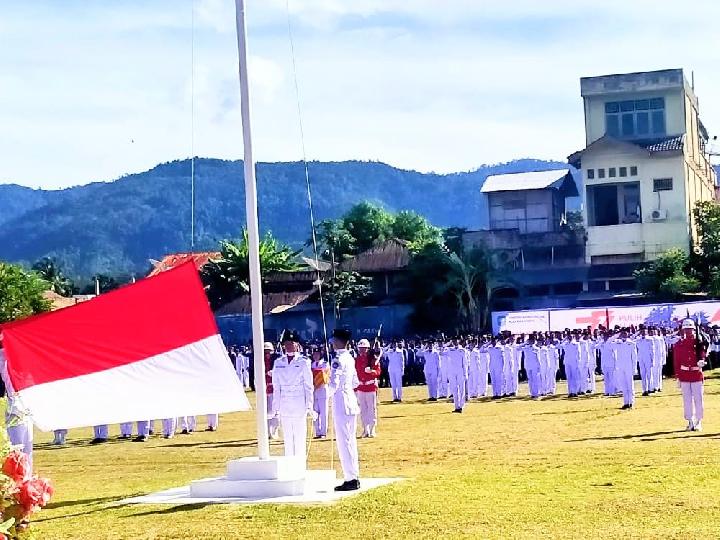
[[200, 259], [390, 255], [552, 179]]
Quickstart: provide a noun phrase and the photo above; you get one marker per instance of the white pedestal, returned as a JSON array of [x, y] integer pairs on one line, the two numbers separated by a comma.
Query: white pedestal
[[254, 478]]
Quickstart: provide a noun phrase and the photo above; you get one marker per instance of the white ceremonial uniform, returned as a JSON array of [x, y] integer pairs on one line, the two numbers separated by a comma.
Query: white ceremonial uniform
[[646, 351], [608, 359], [533, 367], [571, 361], [457, 361], [497, 360], [126, 429], [484, 361], [432, 371], [511, 365], [553, 367], [396, 370], [626, 361], [474, 369], [242, 368], [660, 361], [169, 427], [293, 400], [320, 399], [343, 381], [19, 425]]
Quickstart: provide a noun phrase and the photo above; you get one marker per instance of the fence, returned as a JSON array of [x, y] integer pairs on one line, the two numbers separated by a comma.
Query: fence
[[523, 322]]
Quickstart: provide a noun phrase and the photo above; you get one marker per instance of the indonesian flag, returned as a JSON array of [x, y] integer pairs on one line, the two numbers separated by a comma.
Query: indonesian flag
[[150, 350]]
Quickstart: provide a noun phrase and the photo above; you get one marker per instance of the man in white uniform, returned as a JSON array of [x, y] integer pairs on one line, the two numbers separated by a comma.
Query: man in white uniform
[[646, 351], [431, 370], [293, 395], [626, 362], [457, 361], [396, 369], [343, 381]]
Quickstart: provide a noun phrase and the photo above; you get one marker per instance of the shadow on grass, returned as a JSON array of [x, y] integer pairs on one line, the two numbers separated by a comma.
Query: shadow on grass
[[170, 510], [212, 444], [65, 504], [640, 436]]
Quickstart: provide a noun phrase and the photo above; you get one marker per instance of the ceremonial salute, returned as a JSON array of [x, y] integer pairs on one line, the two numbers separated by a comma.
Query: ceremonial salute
[[343, 380], [689, 359], [431, 368], [367, 366], [292, 382], [646, 347], [457, 361], [626, 361], [497, 360]]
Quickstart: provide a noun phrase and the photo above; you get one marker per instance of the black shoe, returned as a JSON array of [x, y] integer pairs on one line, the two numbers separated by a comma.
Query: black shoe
[[141, 438], [572, 395], [396, 401], [495, 397], [457, 411], [513, 394], [626, 406], [588, 391], [151, 432], [121, 437], [432, 399], [350, 485], [184, 432], [645, 394], [210, 428], [98, 440]]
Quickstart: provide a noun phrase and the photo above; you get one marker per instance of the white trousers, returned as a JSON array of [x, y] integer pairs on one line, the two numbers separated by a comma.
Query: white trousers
[[169, 427], [368, 410], [60, 435], [143, 427], [273, 423], [473, 383], [187, 423], [646, 375], [432, 375], [496, 379], [294, 435], [21, 434], [346, 439], [457, 387], [101, 432], [320, 406], [213, 420], [693, 401], [396, 383], [626, 385], [534, 382], [126, 429], [609, 378]]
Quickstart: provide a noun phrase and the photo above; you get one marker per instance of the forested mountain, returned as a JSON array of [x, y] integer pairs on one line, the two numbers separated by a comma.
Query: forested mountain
[[116, 227]]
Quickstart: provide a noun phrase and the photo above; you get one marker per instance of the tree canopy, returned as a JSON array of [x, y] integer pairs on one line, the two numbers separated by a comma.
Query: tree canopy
[[21, 293]]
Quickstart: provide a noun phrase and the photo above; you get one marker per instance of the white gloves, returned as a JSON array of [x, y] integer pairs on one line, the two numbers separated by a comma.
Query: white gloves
[[368, 369], [312, 414]]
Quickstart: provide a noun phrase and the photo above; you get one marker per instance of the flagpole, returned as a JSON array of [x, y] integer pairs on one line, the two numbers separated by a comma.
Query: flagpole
[[253, 236]]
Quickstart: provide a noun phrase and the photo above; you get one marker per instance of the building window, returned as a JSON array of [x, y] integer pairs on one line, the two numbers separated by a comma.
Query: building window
[[635, 118], [612, 173], [633, 171], [601, 173], [614, 204], [623, 172], [662, 184], [590, 174]]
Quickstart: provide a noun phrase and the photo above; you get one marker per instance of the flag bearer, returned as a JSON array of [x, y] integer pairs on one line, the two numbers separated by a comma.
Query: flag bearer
[[292, 382], [343, 380]]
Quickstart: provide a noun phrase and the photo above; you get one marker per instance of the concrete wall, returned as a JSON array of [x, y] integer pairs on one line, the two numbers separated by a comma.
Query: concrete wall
[[595, 111], [649, 237]]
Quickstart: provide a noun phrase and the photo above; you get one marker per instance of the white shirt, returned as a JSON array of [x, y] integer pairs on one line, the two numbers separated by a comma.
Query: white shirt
[[343, 381], [292, 386]]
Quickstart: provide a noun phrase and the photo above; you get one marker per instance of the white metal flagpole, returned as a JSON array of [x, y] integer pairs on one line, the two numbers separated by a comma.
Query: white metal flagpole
[[253, 236]]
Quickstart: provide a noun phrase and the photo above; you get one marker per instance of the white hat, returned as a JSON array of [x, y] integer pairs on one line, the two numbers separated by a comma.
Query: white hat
[[688, 323], [364, 343], [269, 347]]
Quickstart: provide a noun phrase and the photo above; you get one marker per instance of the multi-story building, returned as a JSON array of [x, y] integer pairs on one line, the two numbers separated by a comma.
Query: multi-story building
[[644, 167]]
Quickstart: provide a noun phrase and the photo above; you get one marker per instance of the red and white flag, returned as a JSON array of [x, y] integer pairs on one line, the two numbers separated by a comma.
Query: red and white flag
[[146, 351]]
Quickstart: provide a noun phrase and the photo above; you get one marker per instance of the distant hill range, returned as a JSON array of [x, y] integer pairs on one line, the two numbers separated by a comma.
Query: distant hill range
[[116, 227]]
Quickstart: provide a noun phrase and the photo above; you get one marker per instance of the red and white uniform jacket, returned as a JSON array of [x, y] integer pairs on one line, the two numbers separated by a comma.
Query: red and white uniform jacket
[[368, 381], [685, 360]]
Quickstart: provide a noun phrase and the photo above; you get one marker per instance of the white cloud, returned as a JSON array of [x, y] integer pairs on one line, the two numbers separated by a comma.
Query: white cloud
[[421, 84]]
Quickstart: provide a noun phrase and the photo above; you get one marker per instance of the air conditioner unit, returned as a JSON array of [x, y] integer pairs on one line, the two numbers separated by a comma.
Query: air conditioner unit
[[659, 215]]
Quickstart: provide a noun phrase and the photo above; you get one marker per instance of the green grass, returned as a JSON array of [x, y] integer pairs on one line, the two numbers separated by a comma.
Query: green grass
[[503, 469]]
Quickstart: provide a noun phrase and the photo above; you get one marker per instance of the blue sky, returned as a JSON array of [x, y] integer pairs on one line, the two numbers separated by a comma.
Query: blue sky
[[91, 90]]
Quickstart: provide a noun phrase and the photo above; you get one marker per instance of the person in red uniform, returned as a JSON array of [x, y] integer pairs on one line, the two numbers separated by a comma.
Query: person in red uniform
[[367, 365], [689, 359], [273, 421]]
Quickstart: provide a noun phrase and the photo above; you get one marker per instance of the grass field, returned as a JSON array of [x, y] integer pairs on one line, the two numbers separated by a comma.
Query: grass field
[[516, 468]]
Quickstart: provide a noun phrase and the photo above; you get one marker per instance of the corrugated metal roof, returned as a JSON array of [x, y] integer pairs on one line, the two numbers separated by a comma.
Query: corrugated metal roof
[[522, 181], [665, 144], [271, 302], [176, 259]]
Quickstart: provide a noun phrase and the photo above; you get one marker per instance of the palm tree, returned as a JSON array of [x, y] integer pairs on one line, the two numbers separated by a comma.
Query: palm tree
[[48, 269], [466, 280], [228, 277]]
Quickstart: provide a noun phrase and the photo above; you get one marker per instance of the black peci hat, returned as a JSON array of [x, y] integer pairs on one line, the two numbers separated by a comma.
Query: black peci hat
[[290, 335], [343, 334]]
